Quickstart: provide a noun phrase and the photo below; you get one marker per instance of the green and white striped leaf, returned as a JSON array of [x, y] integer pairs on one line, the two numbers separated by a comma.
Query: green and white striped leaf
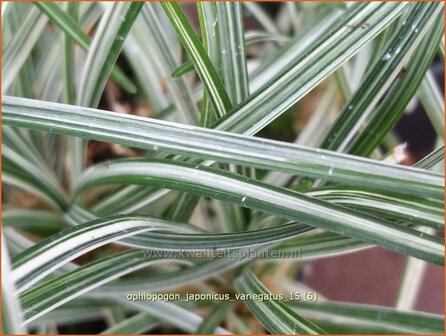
[[381, 75], [34, 221], [391, 319], [71, 28], [394, 104], [54, 292], [150, 37], [12, 316], [424, 212], [213, 320], [190, 275], [214, 145], [136, 324], [51, 253], [198, 56], [21, 173], [39, 261], [105, 49], [233, 51], [239, 190], [433, 102], [305, 72], [274, 315], [17, 51], [210, 38], [173, 314], [431, 159]]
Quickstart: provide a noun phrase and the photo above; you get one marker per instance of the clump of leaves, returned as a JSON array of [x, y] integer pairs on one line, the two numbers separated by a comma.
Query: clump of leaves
[[99, 205]]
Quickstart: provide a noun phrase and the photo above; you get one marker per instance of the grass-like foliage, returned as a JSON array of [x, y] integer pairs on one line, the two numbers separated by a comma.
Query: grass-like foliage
[[214, 148]]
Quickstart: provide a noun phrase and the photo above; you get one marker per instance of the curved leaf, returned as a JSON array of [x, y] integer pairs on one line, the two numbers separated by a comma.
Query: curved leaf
[[236, 189], [274, 315]]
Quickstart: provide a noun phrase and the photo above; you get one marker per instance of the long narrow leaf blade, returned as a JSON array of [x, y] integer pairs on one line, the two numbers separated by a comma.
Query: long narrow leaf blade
[[71, 28], [380, 76], [394, 104], [305, 72], [230, 187], [105, 49], [224, 147], [274, 315], [12, 316], [399, 321], [198, 56]]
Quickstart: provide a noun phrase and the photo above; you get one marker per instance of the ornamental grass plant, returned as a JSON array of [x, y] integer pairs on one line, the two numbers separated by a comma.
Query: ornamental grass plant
[[173, 167]]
